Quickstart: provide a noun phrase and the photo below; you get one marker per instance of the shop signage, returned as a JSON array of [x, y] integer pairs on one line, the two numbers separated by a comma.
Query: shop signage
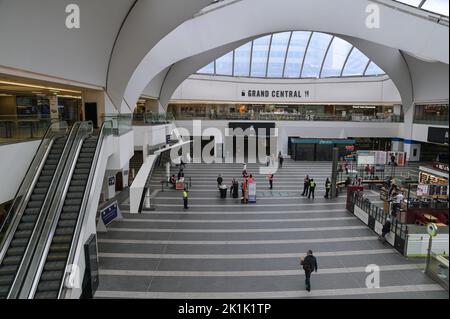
[[438, 135], [441, 166], [278, 94]]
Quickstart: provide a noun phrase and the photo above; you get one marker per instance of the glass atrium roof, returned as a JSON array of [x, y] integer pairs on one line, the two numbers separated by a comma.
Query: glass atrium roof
[[435, 6], [298, 54]]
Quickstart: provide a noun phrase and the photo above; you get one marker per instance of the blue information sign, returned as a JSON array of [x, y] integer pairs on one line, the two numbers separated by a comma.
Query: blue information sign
[[110, 213]]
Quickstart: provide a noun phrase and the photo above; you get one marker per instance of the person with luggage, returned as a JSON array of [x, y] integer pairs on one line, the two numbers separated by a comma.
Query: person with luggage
[[312, 188], [327, 188], [309, 264], [306, 186], [185, 198]]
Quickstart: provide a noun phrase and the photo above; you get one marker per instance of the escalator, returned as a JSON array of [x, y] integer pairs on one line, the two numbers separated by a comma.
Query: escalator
[[30, 208], [61, 235], [55, 264]]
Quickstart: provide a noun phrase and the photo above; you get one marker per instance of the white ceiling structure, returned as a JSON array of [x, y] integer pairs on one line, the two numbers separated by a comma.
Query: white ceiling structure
[[125, 45]]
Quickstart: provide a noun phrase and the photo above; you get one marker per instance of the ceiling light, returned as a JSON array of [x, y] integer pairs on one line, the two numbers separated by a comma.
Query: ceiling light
[[38, 87]]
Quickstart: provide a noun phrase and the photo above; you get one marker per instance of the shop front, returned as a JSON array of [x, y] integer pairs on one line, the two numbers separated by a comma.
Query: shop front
[[318, 149]]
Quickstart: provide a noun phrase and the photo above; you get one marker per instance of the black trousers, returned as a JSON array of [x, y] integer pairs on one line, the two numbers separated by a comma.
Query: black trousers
[[308, 280], [327, 193], [271, 184], [185, 200], [311, 192], [305, 189]]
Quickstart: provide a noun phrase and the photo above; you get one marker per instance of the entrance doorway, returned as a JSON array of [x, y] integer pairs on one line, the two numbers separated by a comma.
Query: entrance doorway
[[90, 111]]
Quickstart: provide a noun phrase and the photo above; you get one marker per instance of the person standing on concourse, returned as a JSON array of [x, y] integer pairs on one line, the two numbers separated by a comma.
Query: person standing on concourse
[[309, 264], [312, 188]]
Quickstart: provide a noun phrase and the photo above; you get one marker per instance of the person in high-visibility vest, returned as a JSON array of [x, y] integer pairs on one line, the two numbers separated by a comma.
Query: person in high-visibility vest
[[185, 198], [312, 188], [327, 188]]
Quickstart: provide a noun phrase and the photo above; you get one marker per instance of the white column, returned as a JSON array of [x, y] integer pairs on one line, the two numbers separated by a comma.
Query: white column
[[412, 150]]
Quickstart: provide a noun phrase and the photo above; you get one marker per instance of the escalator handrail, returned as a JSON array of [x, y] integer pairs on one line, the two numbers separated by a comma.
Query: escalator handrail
[[86, 199], [14, 214], [21, 273], [37, 264]]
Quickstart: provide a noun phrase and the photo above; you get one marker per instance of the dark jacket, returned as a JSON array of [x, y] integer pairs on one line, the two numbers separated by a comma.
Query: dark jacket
[[309, 264], [386, 228]]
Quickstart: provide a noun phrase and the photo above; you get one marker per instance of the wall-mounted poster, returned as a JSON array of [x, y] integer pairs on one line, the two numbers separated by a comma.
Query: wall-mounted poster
[[422, 190]]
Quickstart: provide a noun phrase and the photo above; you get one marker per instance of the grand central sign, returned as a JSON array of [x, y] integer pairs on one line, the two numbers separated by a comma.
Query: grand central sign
[[280, 94]]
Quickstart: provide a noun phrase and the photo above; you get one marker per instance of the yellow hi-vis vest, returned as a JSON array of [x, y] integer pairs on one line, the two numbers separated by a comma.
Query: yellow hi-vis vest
[[185, 194], [312, 185]]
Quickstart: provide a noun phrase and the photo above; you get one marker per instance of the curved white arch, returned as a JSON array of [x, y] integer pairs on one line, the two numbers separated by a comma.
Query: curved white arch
[[390, 59], [233, 23]]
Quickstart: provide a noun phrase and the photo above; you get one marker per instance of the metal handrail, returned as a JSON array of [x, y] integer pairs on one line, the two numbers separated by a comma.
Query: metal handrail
[[37, 265], [47, 136], [86, 198], [29, 252]]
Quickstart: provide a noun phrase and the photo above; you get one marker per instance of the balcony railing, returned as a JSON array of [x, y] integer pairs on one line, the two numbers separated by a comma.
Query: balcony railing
[[289, 117], [18, 128]]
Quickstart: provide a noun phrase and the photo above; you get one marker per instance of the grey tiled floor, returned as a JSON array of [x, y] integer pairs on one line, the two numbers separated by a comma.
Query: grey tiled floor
[[221, 248]]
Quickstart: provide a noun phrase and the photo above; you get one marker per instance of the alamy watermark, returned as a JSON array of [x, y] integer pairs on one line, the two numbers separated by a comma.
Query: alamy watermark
[[73, 16], [239, 145]]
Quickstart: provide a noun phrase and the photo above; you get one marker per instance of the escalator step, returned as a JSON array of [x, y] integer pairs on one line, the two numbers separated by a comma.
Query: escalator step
[[43, 178], [23, 234], [50, 167], [47, 172], [78, 182], [85, 155], [4, 291], [79, 189], [8, 270], [46, 295], [37, 197], [32, 211], [19, 242], [65, 231], [84, 160], [71, 209], [74, 195], [80, 177], [52, 276], [81, 171], [42, 184], [40, 190], [60, 248], [34, 204], [90, 150], [73, 202], [54, 265], [26, 226], [50, 286], [83, 166], [62, 239], [52, 162], [68, 216], [51, 257], [6, 280], [29, 218], [67, 223], [15, 251], [12, 260]]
